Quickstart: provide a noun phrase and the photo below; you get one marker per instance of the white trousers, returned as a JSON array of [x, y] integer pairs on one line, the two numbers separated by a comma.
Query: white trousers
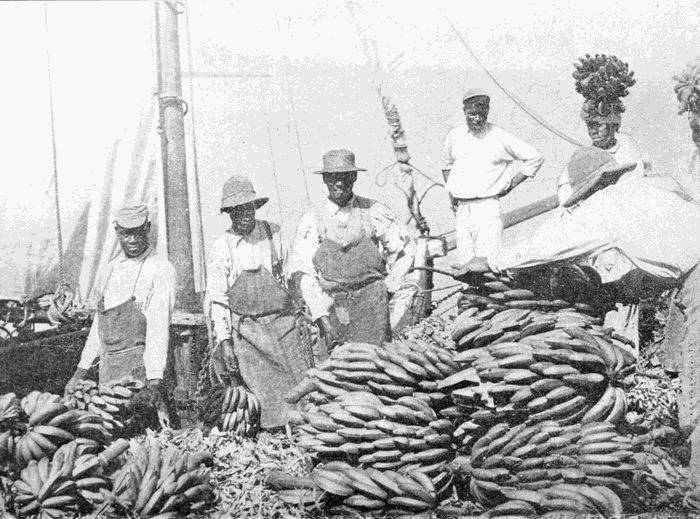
[[478, 228]]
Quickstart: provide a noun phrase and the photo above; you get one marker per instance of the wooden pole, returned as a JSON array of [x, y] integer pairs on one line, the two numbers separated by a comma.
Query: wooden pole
[[172, 127]]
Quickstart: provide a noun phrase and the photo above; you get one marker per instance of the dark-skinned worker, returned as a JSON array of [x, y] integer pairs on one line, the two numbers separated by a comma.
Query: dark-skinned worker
[[253, 315], [349, 255], [651, 225], [135, 298], [481, 164]]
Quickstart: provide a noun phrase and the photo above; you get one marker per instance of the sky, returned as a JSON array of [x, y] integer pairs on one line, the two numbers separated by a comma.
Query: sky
[[300, 83]]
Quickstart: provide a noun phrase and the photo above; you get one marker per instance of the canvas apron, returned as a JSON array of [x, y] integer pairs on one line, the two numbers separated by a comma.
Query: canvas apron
[[122, 333], [266, 342], [353, 271]]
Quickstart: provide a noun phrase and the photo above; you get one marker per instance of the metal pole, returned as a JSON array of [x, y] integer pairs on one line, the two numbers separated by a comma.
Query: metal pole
[[172, 110]]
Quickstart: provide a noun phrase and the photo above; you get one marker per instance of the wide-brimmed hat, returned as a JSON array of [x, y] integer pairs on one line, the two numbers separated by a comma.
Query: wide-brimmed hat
[[475, 92], [238, 190], [131, 216], [339, 161], [590, 167]]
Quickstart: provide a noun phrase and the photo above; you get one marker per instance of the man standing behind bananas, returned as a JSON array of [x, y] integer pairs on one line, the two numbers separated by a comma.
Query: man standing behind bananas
[[131, 329], [253, 315]]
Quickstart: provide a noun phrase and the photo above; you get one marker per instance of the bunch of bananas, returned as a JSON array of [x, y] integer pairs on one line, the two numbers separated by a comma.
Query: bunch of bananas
[[10, 416], [155, 480], [547, 455], [110, 401], [234, 409], [391, 371], [68, 481], [51, 424], [687, 88], [603, 80]]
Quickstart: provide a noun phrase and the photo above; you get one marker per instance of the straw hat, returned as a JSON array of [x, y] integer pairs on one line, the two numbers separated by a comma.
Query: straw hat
[[589, 167], [339, 161], [238, 190]]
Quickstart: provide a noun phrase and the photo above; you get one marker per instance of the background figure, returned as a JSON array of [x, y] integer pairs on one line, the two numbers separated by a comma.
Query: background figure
[[254, 318], [478, 167]]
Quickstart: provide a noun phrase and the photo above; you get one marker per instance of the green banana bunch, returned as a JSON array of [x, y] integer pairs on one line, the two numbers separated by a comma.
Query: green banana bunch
[[687, 88]]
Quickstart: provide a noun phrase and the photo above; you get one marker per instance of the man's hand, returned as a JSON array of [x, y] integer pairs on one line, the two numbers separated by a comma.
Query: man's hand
[[149, 397], [328, 331], [453, 203], [225, 361], [73, 382], [518, 179]]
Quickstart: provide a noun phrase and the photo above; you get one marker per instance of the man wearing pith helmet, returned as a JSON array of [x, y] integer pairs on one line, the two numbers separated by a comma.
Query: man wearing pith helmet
[[350, 254], [135, 298], [253, 315], [482, 163]]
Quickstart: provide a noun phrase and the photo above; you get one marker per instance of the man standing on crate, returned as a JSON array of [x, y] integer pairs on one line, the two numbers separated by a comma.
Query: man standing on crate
[[651, 225], [478, 167], [350, 253], [131, 329], [253, 315]]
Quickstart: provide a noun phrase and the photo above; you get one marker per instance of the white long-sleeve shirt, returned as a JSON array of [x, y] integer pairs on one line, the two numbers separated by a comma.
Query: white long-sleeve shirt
[[223, 268], [398, 249], [154, 291], [625, 151], [642, 225], [479, 164]]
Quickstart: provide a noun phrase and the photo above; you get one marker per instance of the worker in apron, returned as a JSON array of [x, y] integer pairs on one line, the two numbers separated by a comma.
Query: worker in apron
[[350, 255], [130, 331], [258, 342]]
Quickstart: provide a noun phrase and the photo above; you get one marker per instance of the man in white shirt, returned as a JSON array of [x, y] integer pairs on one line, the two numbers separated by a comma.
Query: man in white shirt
[[135, 298], [652, 230], [479, 160], [350, 254]]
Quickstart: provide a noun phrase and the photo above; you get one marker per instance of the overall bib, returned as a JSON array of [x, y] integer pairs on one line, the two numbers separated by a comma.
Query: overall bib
[[122, 332], [353, 271], [266, 343]]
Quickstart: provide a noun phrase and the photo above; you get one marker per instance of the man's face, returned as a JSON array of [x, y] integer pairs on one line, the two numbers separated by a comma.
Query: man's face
[[242, 219], [340, 187], [695, 130], [134, 241], [476, 112], [602, 134]]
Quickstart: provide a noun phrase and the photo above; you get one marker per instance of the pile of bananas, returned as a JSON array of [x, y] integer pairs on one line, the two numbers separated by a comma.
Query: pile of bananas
[[110, 401], [232, 408], [51, 424], [69, 481], [155, 480], [602, 80], [687, 88], [10, 416], [547, 456]]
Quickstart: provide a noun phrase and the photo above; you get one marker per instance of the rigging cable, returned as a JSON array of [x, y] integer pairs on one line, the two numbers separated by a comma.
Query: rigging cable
[[59, 232], [195, 162], [511, 96]]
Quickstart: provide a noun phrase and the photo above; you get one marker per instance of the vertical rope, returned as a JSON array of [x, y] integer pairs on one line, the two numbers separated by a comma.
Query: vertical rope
[[59, 232]]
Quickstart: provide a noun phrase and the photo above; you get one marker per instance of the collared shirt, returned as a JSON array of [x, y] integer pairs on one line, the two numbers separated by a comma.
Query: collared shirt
[[642, 225], [479, 164], [396, 245], [625, 151], [223, 268], [152, 281]]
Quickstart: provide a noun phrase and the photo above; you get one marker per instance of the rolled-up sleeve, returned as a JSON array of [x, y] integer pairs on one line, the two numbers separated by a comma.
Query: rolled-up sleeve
[[531, 159], [218, 274], [158, 312], [305, 245], [446, 156]]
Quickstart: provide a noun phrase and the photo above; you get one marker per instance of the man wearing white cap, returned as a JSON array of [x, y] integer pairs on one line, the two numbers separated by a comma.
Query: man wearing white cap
[[350, 254], [135, 298], [652, 228], [479, 160], [253, 314]]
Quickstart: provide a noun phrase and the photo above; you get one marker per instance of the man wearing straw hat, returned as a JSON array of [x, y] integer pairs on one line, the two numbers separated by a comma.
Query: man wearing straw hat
[[350, 253], [652, 227], [131, 329], [479, 161], [253, 315]]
